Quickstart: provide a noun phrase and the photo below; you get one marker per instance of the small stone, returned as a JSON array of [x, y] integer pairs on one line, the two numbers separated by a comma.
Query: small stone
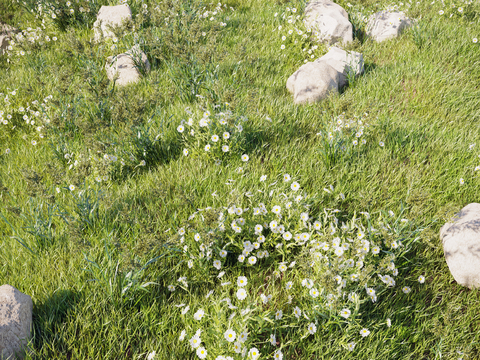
[[313, 82], [343, 62], [386, 25], [110, 16], [125, 66], [15, 322], [461, 246], [328, 21], [6, 31]]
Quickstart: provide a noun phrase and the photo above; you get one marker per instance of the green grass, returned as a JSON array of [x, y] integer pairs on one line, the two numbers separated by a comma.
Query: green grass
[[422, 97]]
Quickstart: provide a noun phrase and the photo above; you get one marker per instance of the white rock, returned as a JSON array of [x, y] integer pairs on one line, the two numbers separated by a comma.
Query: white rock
[[15, 322], [313, 82], [461, 246], [343, 62], [110, 15], [386, 25], [125, 66], [6, 31], [328, 21]]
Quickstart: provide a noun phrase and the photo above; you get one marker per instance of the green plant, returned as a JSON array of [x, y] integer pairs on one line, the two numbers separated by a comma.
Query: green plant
[[120, 286], [39, 223]]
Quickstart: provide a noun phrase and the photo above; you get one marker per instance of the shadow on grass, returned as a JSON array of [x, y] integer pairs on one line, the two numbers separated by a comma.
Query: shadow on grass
[[50, 316]]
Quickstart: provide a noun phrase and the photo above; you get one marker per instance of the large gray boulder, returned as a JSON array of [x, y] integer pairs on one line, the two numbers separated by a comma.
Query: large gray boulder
[[461, 245], [386, 25], [313, 82], [110, 16], [328, 21], [344, 62], [15, 322], [125, 66]]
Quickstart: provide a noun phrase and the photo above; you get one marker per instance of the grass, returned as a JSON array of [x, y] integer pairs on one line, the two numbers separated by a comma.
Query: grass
[[420, 92]]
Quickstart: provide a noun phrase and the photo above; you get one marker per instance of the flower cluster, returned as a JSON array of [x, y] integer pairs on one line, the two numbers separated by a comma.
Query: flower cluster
[[23, 42], [343, 137], [30, 118], [325, 266], [293, 33], [62, 13], [214, 136]]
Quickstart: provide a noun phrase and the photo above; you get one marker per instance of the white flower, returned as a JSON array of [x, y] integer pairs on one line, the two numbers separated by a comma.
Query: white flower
[[223, 253], [225, 148], [243, 337], [230, 335], [241, 258], [217, 264], [226, 135], [288, 285], [263, 177], [245, 157], [313, 292], [207, 147], [345, 313], [312, 329], [199, 314], [252, 260], [215, 138], [195, 341], [462, 181], [273, 339], [180, 128], [406, 289], [278, 355], [295, 186], [421, 279], [185, 152], [254, 353], [182, 335], [297, 312], [339, 251], [241, 294], [351, 346], [364, 332], [278, 314], [71, 187], [171, 288], [389, 322], [201, 352], [242, 281], [185, 310], [151, 355]]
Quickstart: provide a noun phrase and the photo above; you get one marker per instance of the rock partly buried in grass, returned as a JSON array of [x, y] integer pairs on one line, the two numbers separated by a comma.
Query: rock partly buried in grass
[[386, 25], [124, 64], [313, 82], [15, 322], [344, 62], [328, 21], [6, 32], [110, 16], [461, 246]]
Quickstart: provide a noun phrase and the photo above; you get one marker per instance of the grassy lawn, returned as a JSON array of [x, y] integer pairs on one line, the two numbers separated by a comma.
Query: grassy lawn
[[128, 222]]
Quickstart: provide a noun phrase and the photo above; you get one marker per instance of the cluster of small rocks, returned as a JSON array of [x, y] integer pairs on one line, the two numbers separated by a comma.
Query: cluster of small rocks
[[124, 66], [329, 22]]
